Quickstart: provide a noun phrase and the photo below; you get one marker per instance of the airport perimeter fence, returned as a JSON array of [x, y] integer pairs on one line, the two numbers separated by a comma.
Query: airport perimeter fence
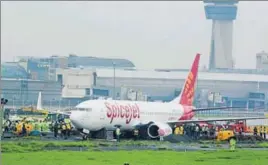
[[232, 113], [53, 104]]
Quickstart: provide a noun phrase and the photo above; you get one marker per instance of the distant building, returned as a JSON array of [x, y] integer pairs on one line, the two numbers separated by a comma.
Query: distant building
[[13, 70], [21, 89], [85, 61], [44, 68], [262, 61], [25, 92], [37, 69], [67, 83], [76, 82]]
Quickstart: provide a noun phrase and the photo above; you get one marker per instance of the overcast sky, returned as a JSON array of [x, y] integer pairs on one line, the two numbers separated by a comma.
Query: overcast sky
[[151, 34]]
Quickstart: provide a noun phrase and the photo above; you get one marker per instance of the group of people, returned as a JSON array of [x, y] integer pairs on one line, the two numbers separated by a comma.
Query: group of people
[[118, 134], [194, 131], [262, 131], [37, 127], [25, 127], [62, 127]]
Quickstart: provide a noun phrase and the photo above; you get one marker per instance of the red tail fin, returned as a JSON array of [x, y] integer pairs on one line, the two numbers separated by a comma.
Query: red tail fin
[[187, 94]]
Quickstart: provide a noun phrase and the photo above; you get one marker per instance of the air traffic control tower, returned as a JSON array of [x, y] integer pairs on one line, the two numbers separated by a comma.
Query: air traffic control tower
[[222, 13]]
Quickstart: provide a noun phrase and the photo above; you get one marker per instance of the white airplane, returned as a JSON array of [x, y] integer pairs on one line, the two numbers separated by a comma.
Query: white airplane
[[94, 116]]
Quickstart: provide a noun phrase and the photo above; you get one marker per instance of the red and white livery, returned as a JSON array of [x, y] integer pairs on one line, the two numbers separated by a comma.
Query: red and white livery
[[95, 115]]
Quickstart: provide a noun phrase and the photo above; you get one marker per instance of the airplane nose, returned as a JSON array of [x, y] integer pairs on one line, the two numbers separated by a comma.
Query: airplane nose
[[73, 116], [76, 118]]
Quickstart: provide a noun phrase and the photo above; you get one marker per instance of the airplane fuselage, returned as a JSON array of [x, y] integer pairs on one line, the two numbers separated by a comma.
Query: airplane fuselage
[[97, 114]]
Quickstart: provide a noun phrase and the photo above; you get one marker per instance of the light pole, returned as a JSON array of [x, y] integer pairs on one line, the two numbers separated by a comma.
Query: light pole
[[1, 130], [114, 81], [59, 104], [3, 102], [1, 110], [50, 103]]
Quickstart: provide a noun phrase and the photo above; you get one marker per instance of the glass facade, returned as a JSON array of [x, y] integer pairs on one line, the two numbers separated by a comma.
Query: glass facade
[[256, 95], [38, 70], [255, 100], [100, 92], [13, 70]]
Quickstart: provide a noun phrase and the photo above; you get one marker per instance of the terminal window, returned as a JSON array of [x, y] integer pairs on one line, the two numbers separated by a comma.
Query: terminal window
[[59, 78], [101, 92], [257, 95], [87, 91]]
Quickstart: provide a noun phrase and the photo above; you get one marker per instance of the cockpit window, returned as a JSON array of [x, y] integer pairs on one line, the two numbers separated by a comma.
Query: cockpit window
[[84, 109]]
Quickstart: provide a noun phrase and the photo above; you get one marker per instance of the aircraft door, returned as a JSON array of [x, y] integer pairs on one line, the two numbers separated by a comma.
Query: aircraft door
[[102, 114]]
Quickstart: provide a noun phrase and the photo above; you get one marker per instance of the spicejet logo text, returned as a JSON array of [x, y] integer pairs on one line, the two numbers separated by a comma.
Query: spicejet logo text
[[122, 111]]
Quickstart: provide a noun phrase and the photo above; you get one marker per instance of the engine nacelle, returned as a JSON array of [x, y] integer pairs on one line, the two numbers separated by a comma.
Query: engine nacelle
[[159, 129]]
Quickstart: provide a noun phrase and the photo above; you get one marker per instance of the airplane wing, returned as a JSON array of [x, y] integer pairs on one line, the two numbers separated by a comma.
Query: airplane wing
[[217, 119], [213, 108], [228, 108]]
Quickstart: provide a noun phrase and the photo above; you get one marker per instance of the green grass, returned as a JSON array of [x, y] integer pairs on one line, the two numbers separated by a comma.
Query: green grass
[[20, 145], [24, 152], [239, 157], [264, 145]]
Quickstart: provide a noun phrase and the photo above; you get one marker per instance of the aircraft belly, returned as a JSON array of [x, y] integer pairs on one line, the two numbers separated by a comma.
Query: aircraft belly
[[120, 122]]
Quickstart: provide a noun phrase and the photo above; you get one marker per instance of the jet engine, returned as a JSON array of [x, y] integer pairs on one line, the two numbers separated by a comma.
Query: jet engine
[[159, 129]]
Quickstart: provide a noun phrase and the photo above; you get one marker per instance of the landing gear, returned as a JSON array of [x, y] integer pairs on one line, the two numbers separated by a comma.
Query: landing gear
[[101, 134], [85, 137]]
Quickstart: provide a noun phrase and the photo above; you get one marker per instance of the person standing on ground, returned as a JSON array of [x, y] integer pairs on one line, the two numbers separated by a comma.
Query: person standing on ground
[[181, 130], [264, 132], [56, 129], [136, 134], [63, 129], [177, 130], [192, 133], [117, 132], [196, 133], [68, 130], [255, 131], [24, 131], [261, 131], [232, 143], [240, 131]]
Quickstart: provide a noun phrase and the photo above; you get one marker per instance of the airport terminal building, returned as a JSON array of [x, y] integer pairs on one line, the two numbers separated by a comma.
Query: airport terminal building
[[66, 81]]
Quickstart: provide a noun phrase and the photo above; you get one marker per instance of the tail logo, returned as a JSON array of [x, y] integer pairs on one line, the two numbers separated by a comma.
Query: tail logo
[[187, 96], [188, 90]]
